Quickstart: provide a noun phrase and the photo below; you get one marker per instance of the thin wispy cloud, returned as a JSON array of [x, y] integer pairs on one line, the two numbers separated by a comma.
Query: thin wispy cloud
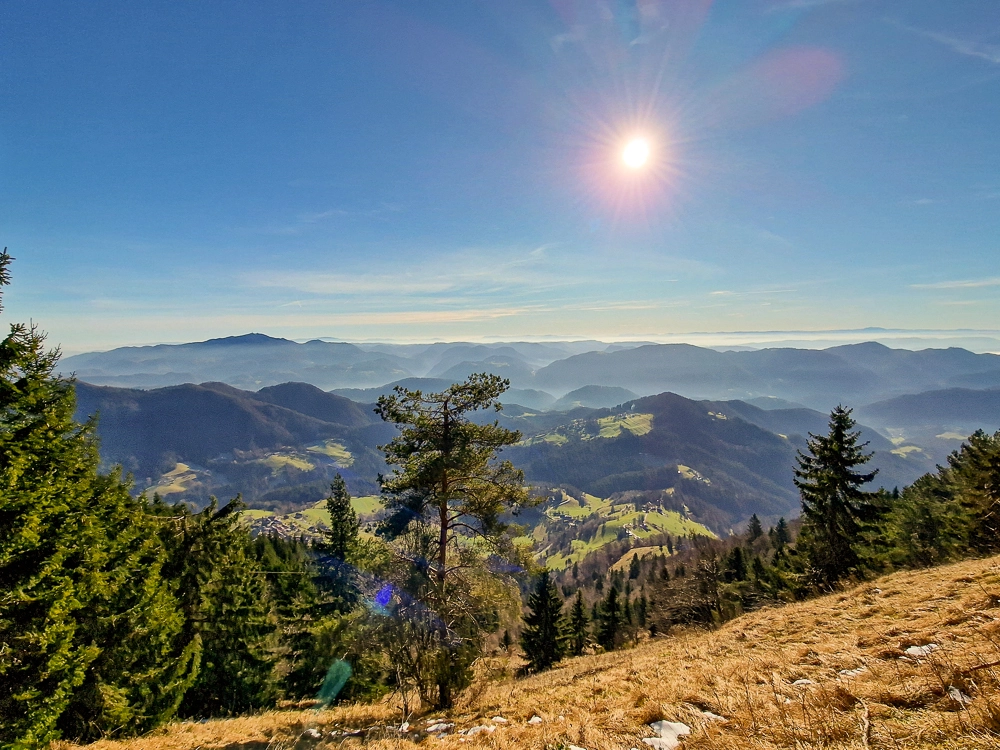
[[969, 284], [968, 47], [730, 293], [806, 4], [462, 275]]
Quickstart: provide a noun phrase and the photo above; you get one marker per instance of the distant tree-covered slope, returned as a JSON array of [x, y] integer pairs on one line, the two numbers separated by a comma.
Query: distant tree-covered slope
[[249, 361], [820, 379], [314, 402], [192, 441], [280, 446], [193, 422], [962, 408]]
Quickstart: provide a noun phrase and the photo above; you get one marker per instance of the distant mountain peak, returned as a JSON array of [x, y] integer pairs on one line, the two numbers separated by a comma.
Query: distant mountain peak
[[247, 339]]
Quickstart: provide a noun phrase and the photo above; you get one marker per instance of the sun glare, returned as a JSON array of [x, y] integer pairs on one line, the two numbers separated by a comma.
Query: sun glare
[[636, 153]]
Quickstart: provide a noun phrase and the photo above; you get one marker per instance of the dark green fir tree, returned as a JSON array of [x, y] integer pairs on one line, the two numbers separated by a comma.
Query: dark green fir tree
[[836, 512], [578, 631], [542, 638], [609, 621]]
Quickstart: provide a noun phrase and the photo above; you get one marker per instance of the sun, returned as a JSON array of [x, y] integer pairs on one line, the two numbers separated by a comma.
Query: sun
[[636, 153]]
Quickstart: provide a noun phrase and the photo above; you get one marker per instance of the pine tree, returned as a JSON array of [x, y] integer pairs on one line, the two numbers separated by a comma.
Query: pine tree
[[542, 636], [754, 529], [228, 609], [445, 500], [780, 535], [88, 625], [342, 534], [609, 621], [835, 510], [736, 565], [578, 631]]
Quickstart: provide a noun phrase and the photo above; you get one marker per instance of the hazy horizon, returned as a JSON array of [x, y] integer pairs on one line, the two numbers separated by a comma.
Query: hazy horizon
[[982, 341]]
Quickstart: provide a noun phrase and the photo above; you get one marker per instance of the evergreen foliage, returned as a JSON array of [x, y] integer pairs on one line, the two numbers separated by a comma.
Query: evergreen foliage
[[444, 501], [90, 640], [609, 621], [578, 632], [227, 605], [542, 638], [342, 534], [835, 510]]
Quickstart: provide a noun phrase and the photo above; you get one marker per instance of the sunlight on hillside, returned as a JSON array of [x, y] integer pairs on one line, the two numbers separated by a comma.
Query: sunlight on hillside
[[179, 479], [279, 461], [907, 662], [617, 520], [637, 424], [602, 427], [334, 450]]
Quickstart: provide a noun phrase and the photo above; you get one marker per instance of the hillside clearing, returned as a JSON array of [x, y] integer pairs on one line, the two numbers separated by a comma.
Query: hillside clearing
[[335, 450], [833, 672], [179, 479]]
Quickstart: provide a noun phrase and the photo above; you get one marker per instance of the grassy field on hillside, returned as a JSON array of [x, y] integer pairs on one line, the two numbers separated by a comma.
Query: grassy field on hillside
[[179, 479], [834, 672], [616, 519], [334, 450]]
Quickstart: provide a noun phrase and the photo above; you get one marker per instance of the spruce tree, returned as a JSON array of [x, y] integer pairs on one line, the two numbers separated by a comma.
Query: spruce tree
[[780, 535], [338, 549], [609, 621], [754, 529], [342, 534], [91, 638], [228, 609], [542, 636], [835, 510], [578, 632]]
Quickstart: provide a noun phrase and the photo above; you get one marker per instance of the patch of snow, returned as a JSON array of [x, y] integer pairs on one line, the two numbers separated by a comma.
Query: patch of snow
[[852, 672], [498, 720], [667, 734], [576, 747], [536, 719], [479, 730], [313, 734], [710, 716], [404, 727], [922, 650], [439, 728], [803, 682]]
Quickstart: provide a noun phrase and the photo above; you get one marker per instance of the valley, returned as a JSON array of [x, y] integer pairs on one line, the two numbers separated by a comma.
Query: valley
[[606, 464]]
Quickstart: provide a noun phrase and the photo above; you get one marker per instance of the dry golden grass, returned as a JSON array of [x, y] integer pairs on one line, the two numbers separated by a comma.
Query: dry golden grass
[[744, 672]]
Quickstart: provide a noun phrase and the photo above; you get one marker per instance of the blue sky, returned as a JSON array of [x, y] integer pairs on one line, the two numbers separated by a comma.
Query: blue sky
[[451, 170]]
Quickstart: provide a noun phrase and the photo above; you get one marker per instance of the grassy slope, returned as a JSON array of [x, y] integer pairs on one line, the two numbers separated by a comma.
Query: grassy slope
[[744, 672], [640, 524]]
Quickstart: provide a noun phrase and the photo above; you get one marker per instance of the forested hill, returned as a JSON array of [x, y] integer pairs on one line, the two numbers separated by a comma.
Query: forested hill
[[279, 447]]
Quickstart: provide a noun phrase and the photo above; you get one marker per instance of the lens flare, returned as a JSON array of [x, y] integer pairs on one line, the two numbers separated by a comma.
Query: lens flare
[[636, 153], [336, 677]]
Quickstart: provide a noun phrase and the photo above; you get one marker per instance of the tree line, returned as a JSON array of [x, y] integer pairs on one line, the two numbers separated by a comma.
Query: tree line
[[845, 533]]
